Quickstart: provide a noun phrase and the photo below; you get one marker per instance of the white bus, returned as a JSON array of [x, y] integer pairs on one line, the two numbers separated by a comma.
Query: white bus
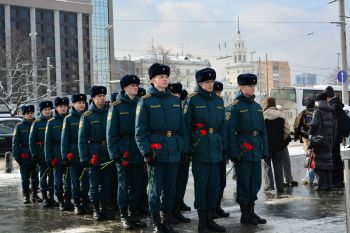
[[292, 99]]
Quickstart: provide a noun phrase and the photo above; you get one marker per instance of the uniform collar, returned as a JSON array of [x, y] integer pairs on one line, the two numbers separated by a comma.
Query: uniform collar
[[242, 97], [154, 91], [58, 116], [123, 97], [93, 108], [204, 93], [74, 112]]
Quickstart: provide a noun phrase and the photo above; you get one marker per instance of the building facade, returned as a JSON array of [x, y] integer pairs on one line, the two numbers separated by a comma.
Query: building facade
[[103, 41], [305, 80], [60, 38]]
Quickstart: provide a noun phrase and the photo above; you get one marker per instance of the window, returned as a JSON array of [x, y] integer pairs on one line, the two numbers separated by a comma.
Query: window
[[72, 30], [283, 94], [49, 28], [24, 13], [239, 57], [50, 41]]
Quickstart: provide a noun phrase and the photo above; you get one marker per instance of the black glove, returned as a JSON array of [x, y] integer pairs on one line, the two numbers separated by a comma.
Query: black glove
[[36, 159], [19, 161], [150, 160], [66, 162], [49, 163], [85, 164], [118, 160]]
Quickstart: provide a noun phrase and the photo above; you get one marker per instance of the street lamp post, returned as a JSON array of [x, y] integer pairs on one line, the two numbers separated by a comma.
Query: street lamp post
[[34, 63]]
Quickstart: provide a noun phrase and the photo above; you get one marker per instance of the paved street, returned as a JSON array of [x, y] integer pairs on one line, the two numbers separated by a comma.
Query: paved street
[[300, 209]]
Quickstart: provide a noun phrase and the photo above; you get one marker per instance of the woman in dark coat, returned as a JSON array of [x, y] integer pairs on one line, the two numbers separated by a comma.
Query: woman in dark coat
[[323, 125]]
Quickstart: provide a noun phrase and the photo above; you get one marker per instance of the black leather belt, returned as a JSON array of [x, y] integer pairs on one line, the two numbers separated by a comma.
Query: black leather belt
[[101, 142], [253, 133], [164, 133]]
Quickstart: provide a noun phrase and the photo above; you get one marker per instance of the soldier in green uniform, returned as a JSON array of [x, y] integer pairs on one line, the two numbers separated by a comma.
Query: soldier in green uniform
[[219, 212], [159, 123], [36, 145], [21, 153], [123, 150], [70, 154], [182, 174], [206, 135], [53, 153], [93, 152], [247, 145]]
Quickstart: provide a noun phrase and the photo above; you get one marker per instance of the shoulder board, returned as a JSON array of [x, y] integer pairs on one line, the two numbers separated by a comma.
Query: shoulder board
[[18, 124], [175, 95], [87, 113], [235, 102], [219, 95], [117, 102], [51, 119], [146, 96], [193, 94], [69, 115], [37, 120]]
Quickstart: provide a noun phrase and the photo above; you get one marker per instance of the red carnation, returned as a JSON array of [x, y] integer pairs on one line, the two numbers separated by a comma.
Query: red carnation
[[54, 162], [125, 163], [94, 159], [156, 146], [70, 156], [24, 156], [126, 155], [247, 146], [203, 132], [199, 125]]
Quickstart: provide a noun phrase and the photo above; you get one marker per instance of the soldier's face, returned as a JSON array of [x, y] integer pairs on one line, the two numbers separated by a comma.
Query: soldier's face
[[131, 89], [160, 81], [62, 109], [28, 116], [46, 112], [79, 106], [207, 85], [247, 90], [99, 100]]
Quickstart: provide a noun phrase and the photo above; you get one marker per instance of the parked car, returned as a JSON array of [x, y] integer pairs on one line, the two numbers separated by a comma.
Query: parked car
[[7, 126]]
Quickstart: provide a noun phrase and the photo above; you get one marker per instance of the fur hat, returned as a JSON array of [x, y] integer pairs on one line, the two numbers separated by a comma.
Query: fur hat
[[129, 79], [45, 104], [97, 90], [246, 79], [78, 97], [27, 108], [61, 101], [329, 92], [157, 69], [205, 75]]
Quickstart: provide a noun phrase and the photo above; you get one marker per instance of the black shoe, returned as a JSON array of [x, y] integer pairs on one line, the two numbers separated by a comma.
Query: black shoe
[[96, 211], [86, 206], [291, 184], [157, 225], [69, 205], [26, 197], [221, 213], [254, 215], [125, 220], [184, 207], [202, 221], [166, 223], [134, 218], [268, 189], [36, 198], [106, 212], [52, 200], [213, 226], [177, 214], [246, 217], [173, 220], [78, 210]]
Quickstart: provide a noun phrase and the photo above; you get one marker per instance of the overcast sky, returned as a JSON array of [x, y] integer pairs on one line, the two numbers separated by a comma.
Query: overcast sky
[[278, 28]]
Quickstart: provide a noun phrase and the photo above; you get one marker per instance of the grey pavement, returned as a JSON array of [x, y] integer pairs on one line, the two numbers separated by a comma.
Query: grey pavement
[[300, 209]]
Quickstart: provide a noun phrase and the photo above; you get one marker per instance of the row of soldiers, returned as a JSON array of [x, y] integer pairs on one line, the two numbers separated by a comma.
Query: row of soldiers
[[77, 154]]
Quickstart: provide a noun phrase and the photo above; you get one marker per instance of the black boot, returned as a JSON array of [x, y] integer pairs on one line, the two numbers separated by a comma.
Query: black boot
[[221, 213], [107, 212], [202, 222], [134, 219], [86, 206], [253, 214], [125, 220], [26, 196], [177, 214], [96, 211], [62, 204], [46, 202], [173, 219], [213, 226], [35, 197], [184, 207], [157, 225], [68, 204], [52, 201], [78, 210], [246, 217], [166, 223]]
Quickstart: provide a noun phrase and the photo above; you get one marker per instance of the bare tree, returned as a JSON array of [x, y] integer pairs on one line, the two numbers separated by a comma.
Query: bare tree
[[160, 54], [331, 78], [17, 85]]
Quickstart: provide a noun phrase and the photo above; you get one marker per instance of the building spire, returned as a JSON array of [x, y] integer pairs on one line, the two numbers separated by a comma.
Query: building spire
[[238, 26]]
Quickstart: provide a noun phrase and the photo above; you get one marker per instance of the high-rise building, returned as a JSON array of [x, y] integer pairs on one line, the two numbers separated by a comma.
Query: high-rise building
[[60, 36], [103, 41]]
